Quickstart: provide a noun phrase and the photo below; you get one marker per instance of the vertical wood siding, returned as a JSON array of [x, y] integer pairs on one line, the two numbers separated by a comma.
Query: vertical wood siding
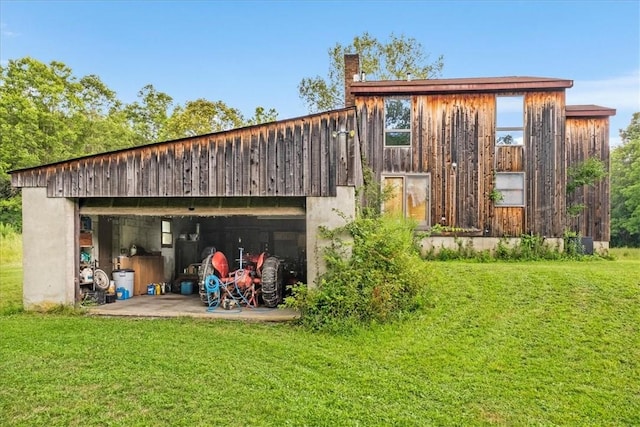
[[297, 157], [589, 137], [544, 163], [446, 129], [460, 129]]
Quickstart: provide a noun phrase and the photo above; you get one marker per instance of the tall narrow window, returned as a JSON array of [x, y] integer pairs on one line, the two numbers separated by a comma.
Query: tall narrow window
[[409, 197], [509, 120], [397, 122], [166, 232]]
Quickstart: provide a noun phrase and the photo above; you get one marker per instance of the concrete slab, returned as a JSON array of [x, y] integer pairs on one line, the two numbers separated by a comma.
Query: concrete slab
[[176, 305]]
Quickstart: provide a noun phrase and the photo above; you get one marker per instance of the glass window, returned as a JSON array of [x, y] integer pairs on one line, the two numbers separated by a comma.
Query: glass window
[[509, 120], [397, 122], [511, 187], [167, 233], [409, 197]]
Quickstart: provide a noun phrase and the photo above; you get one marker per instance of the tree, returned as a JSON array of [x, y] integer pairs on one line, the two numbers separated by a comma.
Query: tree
[[149, 116], [625, 187], [48, 114], [203, 116], [389, 60]]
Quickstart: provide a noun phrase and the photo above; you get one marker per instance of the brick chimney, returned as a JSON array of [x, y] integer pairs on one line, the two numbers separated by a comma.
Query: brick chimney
[[351, 69]]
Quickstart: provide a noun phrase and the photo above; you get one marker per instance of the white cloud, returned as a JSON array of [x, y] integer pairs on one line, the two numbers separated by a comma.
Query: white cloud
[[619, 92], [6, 32]]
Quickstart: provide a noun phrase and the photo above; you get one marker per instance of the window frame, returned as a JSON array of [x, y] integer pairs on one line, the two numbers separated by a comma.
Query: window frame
[[426, 223], [518, 129], [164, 233], [402, 130], [502, 203]]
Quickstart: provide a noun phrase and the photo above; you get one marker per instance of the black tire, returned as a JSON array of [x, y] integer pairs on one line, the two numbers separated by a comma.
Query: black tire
[[271, 282]]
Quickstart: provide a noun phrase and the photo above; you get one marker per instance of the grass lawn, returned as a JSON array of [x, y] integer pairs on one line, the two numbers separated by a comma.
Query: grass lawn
[[549, 343]]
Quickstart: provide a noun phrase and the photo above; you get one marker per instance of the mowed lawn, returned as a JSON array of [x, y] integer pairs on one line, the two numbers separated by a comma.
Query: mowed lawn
[[545, 343]]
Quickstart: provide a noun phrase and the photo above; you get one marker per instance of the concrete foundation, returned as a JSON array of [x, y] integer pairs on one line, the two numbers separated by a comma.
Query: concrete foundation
[[326, 212], [49, 249], [435, 243]]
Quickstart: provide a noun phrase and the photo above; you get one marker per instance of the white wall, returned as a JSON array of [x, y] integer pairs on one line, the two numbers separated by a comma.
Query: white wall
[[49, 249]]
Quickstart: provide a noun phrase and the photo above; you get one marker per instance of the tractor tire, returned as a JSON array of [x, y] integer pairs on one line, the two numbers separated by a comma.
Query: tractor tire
[[272, 282], [205, 270]]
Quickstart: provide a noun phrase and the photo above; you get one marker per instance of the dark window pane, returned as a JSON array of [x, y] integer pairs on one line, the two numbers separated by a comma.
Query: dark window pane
[[397, 139]]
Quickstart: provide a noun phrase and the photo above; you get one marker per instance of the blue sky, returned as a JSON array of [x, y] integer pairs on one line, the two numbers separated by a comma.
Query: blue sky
[[250, 53]]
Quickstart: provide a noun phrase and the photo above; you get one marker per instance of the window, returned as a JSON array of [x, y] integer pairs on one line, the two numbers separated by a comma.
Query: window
[[509, 120], [397, 122], [409, 197], [511, 186], [167, 233]]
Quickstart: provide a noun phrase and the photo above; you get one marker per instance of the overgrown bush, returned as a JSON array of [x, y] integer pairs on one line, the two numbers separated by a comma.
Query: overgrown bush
[[374, 274]]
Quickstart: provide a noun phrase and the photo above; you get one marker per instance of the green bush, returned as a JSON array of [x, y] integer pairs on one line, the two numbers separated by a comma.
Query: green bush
[[374, 274]]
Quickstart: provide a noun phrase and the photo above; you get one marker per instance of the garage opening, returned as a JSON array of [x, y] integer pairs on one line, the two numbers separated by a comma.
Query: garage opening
[[170, 241]]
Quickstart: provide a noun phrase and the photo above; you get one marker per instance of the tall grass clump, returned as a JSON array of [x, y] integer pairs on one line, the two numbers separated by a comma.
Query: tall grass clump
[[10, 244]]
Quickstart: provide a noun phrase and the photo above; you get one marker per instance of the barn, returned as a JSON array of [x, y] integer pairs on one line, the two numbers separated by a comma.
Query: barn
[[484, 158]]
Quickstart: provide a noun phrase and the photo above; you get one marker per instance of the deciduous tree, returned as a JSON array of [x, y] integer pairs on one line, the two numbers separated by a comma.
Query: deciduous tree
[[625, 187], [389, 60]]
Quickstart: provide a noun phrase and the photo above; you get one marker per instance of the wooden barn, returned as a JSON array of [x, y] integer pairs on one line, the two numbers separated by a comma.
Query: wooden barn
[[485, 158]]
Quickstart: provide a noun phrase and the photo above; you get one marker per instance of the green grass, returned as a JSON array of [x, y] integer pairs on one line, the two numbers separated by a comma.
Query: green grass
[[548, 343]]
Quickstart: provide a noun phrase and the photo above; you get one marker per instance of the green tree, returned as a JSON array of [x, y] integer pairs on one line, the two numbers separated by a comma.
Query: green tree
[[625, 187], [148, 117], [389, 60], [203, 116], [200, 117], [48, 114]]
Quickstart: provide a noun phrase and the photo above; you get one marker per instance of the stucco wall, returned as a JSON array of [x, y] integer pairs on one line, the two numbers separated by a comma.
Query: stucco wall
[[49, 275], [325, 211]]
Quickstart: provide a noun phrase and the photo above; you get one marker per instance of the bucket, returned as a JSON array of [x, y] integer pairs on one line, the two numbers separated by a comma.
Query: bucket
[[151, 289], [124, 279], [186, 288]]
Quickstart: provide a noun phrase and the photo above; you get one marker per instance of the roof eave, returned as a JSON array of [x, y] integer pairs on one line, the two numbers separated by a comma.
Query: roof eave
[[434, 86], [589, 111]]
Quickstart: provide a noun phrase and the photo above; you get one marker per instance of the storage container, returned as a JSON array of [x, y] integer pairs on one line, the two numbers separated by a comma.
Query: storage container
[[186, 288], [124, 279]]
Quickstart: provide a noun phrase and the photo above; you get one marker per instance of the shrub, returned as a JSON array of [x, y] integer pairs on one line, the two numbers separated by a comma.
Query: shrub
[[374, 274]]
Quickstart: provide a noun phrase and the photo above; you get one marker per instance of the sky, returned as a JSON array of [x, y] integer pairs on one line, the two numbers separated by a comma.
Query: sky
[[254, 53]]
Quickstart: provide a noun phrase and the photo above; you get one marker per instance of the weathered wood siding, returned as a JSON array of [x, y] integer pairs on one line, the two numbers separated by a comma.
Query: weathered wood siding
[[545, 163], [460, 129], [589, 137], [297, 157]]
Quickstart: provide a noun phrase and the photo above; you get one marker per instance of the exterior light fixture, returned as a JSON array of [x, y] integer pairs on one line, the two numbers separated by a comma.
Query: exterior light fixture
[[350, 133]]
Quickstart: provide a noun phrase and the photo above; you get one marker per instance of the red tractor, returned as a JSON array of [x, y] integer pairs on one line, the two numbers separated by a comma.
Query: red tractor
[[258, 278]]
